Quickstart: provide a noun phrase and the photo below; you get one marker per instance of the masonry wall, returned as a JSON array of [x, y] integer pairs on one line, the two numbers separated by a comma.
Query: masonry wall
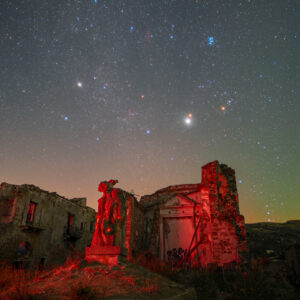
[[136, 228], [228, 225], [223, 231], [151, 233], [48, 235]]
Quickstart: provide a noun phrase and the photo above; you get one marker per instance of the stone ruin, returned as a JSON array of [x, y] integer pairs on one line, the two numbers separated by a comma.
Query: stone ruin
[[40, 229], [195, 224]]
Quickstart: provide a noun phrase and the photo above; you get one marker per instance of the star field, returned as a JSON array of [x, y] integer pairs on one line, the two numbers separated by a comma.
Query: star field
[[147, 92]]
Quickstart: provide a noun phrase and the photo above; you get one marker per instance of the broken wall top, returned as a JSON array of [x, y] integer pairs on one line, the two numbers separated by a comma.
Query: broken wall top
[[7, 191], [211, 174]]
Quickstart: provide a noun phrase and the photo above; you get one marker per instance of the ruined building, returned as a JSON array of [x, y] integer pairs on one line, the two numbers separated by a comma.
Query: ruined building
[[198, 224], [39, 228], [195, 224]]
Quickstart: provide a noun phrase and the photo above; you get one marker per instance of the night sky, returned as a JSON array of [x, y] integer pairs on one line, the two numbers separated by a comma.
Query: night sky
[[147, 92]]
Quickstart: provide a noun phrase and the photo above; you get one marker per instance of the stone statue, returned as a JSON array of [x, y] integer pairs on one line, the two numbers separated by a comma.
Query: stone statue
[[109, 213]]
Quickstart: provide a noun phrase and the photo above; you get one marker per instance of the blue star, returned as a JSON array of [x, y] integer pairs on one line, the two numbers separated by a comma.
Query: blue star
[[148, 131], [172, 158], [131, 28], [66, 118], [96, 1], [97, 138], [171, 36], [211, 40], [260, 76]]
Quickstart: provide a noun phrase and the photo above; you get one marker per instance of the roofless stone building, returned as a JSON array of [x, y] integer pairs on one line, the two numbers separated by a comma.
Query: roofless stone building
[[195, 224], [198, 224], [38, 228]]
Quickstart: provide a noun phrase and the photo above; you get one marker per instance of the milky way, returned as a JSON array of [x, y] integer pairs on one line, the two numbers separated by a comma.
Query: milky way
[[148, 91]]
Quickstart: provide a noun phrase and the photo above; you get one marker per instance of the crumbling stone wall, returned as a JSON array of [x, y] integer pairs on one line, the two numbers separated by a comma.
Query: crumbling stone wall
[[130, 230], [152, 221], [228, 226], [48, 237], [61, 225], [222, 232], [136, 228]]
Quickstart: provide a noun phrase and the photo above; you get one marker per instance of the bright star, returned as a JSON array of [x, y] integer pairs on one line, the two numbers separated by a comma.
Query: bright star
[[188, 121], [211, 40], [79, 84]]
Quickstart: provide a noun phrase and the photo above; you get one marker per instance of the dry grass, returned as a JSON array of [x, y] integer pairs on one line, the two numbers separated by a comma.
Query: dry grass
[[149, 288], [84, 289], [14, 283], [71, 281]]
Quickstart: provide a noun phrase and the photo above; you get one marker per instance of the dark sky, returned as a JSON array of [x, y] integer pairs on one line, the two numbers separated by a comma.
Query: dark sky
[[147, 92]]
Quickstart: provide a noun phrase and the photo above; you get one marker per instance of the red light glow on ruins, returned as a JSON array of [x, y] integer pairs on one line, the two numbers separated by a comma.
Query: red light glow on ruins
[[194, 224]]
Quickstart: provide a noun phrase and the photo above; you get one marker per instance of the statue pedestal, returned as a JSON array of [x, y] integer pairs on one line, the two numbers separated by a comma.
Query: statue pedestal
[[107, 255]]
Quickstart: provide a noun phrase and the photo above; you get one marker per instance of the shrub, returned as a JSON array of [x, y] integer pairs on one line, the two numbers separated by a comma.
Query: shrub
[[83, 292]]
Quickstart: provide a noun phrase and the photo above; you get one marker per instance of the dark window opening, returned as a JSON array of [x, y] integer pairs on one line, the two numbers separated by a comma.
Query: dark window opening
[[92, 227], [42, 264], [81, 226], [70, 222], [31, 212]]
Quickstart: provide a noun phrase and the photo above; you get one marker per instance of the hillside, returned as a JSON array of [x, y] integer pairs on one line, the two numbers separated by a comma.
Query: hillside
[[270, 270], [272, 239]]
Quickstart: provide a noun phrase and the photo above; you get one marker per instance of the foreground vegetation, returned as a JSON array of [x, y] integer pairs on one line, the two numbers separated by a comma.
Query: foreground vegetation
[[72, 281], [260, 276]]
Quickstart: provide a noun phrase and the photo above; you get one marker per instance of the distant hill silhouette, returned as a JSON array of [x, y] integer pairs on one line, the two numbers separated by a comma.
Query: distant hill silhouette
[[272, 239]]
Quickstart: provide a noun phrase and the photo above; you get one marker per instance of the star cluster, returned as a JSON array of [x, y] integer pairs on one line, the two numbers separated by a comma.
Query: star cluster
[[147, 92]]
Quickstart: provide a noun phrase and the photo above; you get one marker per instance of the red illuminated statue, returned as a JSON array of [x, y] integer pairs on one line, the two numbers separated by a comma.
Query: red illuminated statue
[[109, 212]]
